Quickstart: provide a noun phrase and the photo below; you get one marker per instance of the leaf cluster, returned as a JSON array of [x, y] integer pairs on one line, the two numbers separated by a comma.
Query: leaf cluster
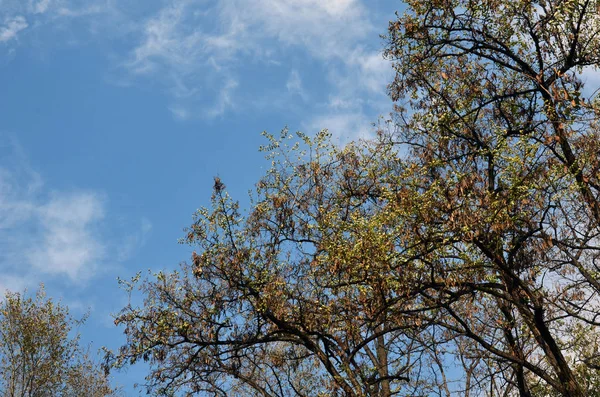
[[38, 355]]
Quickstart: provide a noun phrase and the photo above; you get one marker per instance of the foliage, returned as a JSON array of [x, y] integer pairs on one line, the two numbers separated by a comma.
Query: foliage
[[277, 303], [506, 146], [38, 357], [456, 253]]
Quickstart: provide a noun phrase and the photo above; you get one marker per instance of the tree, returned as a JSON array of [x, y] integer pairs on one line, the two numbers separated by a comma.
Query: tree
[[456, 253], [274, 303], [38, 357], [506, 144]]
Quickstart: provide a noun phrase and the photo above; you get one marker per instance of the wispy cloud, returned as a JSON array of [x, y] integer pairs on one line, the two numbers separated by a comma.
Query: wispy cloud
[[48, 234], [39, 7], [14, 284], [224, 99], [344, 126], [167, 44], [180, 112], [294, 85], [11, 27], [205, 54], [55, 7], [200, 50], [320, 27], [591, 78], [82, 11], [49, 24], [358, 96], [66, 242]]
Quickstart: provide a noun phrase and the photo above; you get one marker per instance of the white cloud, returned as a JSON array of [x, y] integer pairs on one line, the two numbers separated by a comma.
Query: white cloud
[[591, 79], [374, 71], [12, 26], [294, 85], [179, 35], [50, 24], [44, 233], [180, 112], [67, 244], [83, 11], [199, 49], [358, 97], [224, 101], [39, 7], [175, 52], [165, 43], [327, 29], [14, 284], [343, 126]]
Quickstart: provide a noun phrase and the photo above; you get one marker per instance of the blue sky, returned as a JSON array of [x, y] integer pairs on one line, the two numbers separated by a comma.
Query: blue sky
[[116, 115]]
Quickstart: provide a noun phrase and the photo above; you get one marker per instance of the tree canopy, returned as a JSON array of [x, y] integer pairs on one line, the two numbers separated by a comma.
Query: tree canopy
[[456, 253], [39, 357]]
